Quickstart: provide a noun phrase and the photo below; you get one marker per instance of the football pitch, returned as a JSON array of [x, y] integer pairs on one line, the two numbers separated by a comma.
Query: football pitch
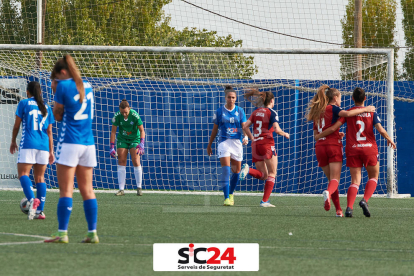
[[128, 226]]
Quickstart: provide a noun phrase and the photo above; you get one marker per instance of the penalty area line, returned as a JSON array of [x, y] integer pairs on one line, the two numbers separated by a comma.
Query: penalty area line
[[22, 235]]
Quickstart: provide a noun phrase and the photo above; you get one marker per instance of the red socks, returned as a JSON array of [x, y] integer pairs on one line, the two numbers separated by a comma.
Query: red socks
[[270, 182], [256, 173], [335, 200], [351, 196], [370, 188], [332, 186]]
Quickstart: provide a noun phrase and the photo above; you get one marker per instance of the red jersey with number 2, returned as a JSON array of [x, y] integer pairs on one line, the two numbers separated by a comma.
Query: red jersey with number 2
[[360, 138], [263, 119], [329, 118]]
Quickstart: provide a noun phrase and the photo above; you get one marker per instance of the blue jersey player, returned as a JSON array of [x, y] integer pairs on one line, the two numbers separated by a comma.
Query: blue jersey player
[[36, 147], [75, 153], [228, 123]]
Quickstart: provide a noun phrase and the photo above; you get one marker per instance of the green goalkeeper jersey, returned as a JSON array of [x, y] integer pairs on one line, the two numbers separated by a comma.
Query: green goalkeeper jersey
[[128, 129]]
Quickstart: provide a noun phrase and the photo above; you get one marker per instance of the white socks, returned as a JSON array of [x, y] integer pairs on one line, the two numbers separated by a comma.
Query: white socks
[[121, 176], [138, 176]]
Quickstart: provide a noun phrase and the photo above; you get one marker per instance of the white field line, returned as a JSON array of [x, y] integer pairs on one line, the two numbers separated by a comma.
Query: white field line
[[22, 235], [190, 193]]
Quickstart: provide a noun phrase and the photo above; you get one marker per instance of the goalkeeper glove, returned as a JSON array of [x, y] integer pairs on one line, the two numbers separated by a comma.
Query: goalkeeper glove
[[140, 148], [112, 151]]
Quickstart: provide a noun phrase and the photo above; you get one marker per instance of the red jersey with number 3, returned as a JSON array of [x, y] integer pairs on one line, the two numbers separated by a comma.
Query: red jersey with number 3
[[263, 119], [329, 118], [360, 138]]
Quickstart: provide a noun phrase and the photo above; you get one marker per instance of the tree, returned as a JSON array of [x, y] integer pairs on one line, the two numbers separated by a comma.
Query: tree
[[408, 25], [378, 31], [121, 23]]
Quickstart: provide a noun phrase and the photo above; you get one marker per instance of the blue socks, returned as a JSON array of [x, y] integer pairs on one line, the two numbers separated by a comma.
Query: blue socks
[[234, 181], [224, 180], [90, 207], [27, 187], [41, 195], [64, 209]]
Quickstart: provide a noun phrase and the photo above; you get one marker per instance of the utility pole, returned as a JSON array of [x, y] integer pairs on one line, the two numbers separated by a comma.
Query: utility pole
[[358, 38], [41, 11]]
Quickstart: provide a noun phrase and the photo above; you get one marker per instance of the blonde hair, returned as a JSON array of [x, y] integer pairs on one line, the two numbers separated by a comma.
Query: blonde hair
[[68, 63], [258, 98], [320, 101], [317, 105]]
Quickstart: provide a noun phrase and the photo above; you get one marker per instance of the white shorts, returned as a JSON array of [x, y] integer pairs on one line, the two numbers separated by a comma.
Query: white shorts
[[72, 155], [232, 148], [33, 156]]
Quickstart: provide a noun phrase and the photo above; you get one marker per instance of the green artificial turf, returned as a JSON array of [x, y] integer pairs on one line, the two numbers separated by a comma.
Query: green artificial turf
[[128, 226]]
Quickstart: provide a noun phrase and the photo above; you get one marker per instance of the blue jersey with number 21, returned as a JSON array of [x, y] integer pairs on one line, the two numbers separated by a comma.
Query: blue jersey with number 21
[[229, 123], [34, 125], [76, 127]]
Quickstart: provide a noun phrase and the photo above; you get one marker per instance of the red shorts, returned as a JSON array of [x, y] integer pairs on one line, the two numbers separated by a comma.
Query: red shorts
[[262, 152], [328, 154], [361, 160]]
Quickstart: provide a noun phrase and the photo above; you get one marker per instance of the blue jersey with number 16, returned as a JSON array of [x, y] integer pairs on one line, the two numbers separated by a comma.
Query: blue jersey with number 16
[[76, 127], [34, 125], [229, 123]]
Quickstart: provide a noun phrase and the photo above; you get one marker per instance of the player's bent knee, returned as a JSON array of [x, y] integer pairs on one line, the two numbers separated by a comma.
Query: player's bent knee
[[39, 179]]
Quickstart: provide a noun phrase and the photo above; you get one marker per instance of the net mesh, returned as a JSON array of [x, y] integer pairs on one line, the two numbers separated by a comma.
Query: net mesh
[[176, 95]]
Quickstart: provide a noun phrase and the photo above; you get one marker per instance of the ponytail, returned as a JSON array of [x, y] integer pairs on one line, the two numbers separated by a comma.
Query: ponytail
[[68, 63], [318, 104], [257, 98], [34, 89]]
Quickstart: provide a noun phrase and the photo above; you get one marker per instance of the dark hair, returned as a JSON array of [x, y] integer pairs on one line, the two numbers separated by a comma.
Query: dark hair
[[359, 95], [34, 89], [229, 89], [258, 98], [124, 104], [69, 65]]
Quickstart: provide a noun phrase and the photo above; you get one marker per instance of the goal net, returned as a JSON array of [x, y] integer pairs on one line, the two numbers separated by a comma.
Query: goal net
[[177, 90]]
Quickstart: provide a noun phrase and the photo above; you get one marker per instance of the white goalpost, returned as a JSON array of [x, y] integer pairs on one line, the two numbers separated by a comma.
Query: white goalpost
[[176, 91]]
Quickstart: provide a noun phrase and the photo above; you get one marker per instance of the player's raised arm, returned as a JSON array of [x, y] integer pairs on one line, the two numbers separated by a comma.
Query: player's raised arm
[[354, 112], [58, 111]]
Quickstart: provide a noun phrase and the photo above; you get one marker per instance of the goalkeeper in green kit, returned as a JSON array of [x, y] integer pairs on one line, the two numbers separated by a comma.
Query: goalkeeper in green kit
[[131, 137]]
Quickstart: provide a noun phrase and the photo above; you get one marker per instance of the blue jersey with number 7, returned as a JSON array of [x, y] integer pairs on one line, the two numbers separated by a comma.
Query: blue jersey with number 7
[[76, 127], [34, 125]]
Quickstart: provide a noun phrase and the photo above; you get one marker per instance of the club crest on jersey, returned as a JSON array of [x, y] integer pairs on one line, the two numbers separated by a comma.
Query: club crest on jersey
[[236, 113], [132, 123]]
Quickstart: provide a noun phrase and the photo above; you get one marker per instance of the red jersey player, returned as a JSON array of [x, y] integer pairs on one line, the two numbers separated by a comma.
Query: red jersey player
[[361, 150], [265, 121], [325, 111]]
